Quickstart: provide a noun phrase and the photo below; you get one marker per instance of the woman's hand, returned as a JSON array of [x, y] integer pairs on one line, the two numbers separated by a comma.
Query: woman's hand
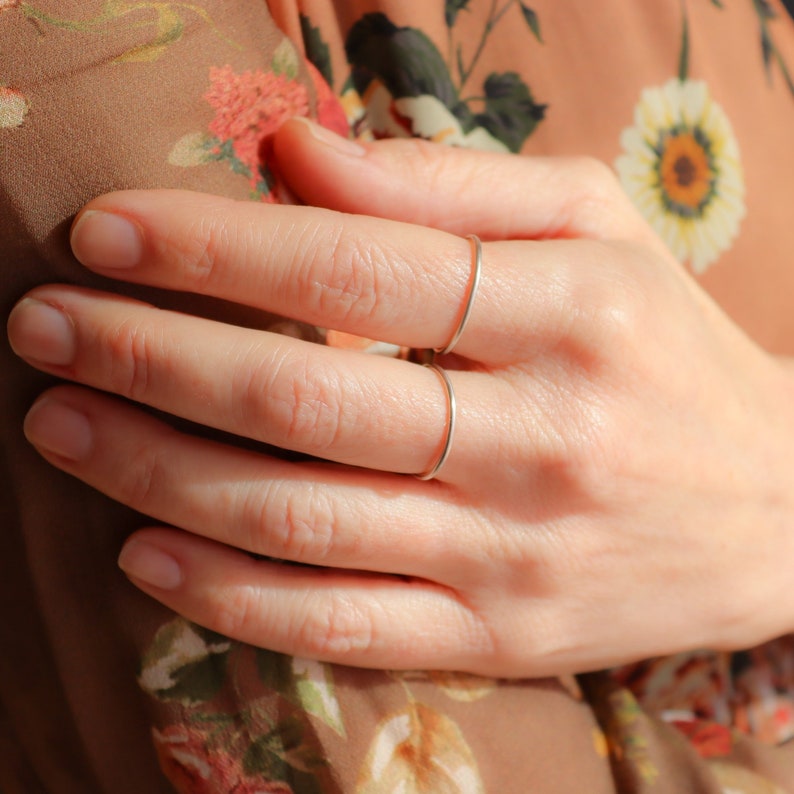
[[618, 482]]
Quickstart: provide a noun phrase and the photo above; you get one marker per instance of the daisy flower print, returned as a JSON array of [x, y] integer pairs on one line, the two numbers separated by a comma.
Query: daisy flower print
[[681, 167]]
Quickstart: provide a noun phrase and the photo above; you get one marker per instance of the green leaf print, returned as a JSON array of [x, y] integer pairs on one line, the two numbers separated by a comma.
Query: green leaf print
[[405, 60], [275, 671], [409, 65], [165, 18], [283, 754], [451, 10], [307, 684], [286, 60], [169, 27], [197, 682], [769, 51], [260, 760], [532, 20], [185, 663], [511, 114], [317, 50], [316, 692]]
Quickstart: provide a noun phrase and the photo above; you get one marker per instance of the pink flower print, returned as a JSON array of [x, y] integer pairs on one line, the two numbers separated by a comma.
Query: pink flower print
[[193, 767], [330, 112], [250, 107], [189, 765]]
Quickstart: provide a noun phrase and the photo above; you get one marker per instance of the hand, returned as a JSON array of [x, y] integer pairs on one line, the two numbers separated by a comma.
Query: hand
[[618, 485]]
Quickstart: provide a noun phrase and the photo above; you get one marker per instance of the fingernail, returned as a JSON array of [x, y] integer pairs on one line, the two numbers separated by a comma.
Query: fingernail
[[54, 427], [106, 241], [329, 138], [41, 332], [151, 565]]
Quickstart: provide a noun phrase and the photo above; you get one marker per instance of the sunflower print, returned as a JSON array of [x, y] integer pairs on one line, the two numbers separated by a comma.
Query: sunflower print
[[681, 167]]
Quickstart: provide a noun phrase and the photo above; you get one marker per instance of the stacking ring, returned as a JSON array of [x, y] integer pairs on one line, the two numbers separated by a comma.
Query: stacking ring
[[451, 413], [471, 293]]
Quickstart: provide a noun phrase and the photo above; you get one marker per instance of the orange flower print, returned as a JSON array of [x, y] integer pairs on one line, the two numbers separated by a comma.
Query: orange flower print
[[710, 739]]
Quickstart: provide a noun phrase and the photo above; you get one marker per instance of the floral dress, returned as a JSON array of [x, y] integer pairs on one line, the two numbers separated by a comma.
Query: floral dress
[[691, 103]]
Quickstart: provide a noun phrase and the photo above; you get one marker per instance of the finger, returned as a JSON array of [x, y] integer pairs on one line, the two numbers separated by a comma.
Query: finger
[[343, 406], [310, 513], [345, 617], [366, 276], [463, 191]]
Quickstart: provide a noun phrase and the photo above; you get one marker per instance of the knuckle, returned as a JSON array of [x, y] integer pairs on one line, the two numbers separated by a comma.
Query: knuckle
[[616, 307], [200, 249], [597, 313], [346, 276], [340, 628], [237, 614], [306, 529], [305, 401], [594, 174], [132, 348], [142, 477], [349, 288], [593, 199], [434, 167]]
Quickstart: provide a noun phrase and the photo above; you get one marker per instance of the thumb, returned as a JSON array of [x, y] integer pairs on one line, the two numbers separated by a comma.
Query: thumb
[[462, 191]]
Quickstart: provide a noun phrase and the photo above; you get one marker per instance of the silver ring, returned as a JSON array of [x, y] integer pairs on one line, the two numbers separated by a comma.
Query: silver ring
[[451, 413], [471, 294]]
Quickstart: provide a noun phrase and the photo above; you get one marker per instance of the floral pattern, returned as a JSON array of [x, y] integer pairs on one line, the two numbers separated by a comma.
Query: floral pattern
[[407, 88], [165, 22], [249, 108], [191, 763], [421, 751], [682, 169], [212, 748], [681, 165], [224, 737]]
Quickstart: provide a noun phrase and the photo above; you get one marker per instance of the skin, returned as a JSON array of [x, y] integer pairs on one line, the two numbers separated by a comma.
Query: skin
[[617, 487]]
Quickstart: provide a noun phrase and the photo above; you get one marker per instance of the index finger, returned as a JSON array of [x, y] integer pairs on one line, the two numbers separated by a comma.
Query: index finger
[[385, 280], [381, 279]]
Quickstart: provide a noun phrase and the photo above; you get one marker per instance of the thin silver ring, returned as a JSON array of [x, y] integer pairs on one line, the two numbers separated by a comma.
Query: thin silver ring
[[471, 294], [451, 413]]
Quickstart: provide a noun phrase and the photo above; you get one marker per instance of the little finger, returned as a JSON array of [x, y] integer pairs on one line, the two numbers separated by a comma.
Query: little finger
[[346, 617]]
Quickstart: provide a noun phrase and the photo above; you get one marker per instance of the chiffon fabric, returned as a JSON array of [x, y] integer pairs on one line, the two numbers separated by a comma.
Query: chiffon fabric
[[104, 690]]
